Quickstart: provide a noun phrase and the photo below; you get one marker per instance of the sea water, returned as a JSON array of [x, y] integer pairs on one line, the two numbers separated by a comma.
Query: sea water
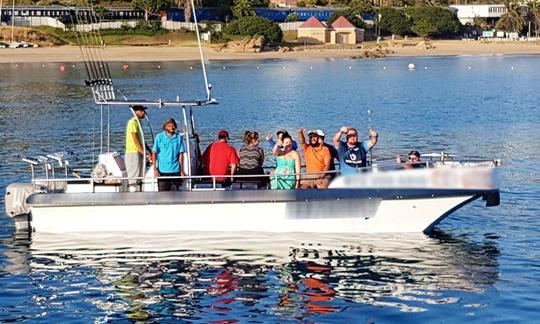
[[480, 264]]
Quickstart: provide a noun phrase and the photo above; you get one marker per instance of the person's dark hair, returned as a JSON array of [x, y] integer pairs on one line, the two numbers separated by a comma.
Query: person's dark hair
[[138, 107], [250, 136], [284, 136], [281, 131], [415, 153]]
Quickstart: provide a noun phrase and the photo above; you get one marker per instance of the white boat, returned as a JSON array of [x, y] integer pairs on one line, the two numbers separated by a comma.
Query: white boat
[[368, 202]]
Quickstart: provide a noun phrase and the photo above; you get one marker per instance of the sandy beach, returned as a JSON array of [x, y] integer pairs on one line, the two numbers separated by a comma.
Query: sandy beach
[[178, 53]]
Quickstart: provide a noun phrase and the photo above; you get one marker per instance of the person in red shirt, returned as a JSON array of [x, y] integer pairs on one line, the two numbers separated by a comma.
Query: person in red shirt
[[220, 159]]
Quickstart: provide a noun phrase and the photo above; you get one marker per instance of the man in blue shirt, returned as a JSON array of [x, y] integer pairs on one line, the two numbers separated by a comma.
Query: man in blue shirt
[[168, 156], [352, 153], [279, 134]]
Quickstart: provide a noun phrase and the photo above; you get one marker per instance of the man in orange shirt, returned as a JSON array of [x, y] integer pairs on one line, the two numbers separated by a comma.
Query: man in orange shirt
[[318, 159]]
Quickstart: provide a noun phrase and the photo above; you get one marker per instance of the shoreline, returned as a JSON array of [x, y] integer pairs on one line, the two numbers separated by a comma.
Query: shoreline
[[439, 48]]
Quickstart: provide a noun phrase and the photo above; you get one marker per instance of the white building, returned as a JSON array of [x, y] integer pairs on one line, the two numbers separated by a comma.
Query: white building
[[490, 12]]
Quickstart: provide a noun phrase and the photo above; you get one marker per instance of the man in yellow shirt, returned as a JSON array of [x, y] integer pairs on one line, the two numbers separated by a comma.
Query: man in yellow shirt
[[134, 147]]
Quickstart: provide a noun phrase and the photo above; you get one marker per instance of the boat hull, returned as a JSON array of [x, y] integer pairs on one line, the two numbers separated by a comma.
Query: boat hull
[[332, 211]]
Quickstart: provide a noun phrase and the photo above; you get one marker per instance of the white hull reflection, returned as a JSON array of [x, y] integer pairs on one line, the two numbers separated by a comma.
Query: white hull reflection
[[283, 272]]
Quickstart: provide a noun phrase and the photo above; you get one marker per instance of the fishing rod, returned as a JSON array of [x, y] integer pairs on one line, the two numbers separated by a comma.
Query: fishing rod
[[370, 127]]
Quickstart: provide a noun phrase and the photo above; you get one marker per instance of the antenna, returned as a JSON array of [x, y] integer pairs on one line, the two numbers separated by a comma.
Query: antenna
[[207, 87]]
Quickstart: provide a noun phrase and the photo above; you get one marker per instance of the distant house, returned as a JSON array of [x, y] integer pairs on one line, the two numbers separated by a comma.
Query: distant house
[[490, 12], [342, 31], [313, 32], [284, 3]]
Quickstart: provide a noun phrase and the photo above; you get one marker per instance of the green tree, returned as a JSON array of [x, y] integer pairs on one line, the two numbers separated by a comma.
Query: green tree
[[534, 15], [361, 7], [394, 21], [242, 8], [480, 23], [349, 14], [186, 4], [259, 3], [292, 17], [512, 20], [150, 7], [429, 21], [253, 25]]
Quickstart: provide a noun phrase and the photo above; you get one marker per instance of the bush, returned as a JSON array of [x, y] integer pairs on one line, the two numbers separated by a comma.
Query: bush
[[292, 17], [394, 21], [212, 25], [215, 28], [301, 4], [430, 21], [349, 14], [150, 25], [252, 25]]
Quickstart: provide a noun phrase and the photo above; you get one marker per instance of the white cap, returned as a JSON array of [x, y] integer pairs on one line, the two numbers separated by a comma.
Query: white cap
[[317, 132]]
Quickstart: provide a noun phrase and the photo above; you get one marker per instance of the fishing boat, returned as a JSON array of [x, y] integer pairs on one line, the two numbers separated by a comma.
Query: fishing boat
[[380, 200]]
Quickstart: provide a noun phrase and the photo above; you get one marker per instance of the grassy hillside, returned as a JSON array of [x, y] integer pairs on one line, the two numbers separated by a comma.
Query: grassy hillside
[[49, 36]]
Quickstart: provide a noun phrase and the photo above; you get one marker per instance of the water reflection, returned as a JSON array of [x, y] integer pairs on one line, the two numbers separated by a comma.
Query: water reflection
[[238, 276]]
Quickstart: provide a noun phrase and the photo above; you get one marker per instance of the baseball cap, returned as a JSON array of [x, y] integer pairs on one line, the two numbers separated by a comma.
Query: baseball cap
[[317, 132], [223, 134]]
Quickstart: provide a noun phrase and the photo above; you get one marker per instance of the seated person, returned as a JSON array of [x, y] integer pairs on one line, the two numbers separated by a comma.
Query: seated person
[[352, 152], [251, 159], [413, 160], [285, 176], [220, 159], [279, 136], [318, 159]]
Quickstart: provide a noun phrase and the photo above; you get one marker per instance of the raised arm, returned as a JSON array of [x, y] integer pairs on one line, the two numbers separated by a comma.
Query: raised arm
[[270, 141], [337, 137], [301, 137], [276, 150], [373, 138]]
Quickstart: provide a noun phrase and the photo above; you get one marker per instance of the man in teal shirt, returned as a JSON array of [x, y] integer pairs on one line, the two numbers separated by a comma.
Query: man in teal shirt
[[168, 156]]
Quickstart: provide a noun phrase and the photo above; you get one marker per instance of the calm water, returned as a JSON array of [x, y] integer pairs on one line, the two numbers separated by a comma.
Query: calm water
[[481, 264]]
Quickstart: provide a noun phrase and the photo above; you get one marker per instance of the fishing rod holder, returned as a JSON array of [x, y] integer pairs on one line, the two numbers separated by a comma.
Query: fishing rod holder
[[49, 163]]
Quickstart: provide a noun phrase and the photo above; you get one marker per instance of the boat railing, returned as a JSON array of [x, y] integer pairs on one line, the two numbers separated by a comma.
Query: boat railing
[[51, 183], [198, 182]]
